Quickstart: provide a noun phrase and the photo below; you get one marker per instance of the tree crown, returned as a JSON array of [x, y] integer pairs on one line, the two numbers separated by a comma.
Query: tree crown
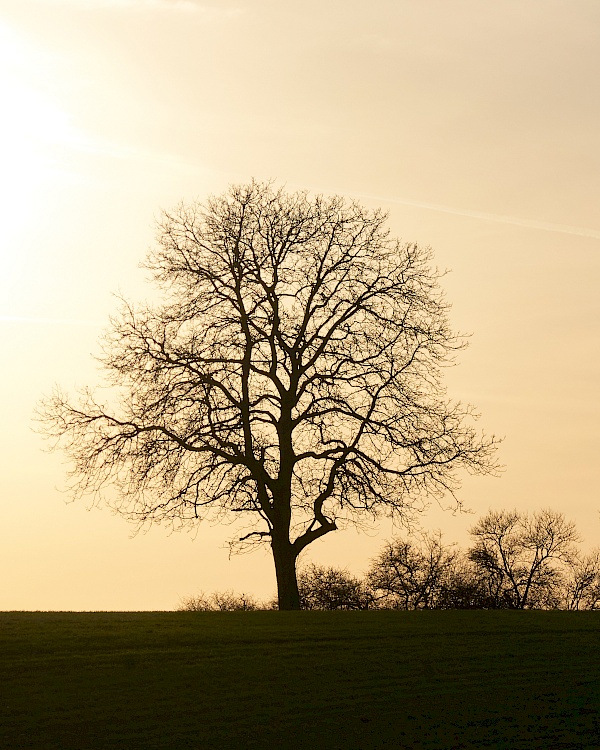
[[292, 373]]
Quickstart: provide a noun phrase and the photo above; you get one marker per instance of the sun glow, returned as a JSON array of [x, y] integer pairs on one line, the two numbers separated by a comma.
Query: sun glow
[[34, 131], [36, 136]]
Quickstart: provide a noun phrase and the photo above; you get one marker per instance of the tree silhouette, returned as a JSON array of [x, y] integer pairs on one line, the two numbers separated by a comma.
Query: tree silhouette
[[522, 557], [582, 590], [409, 574], [332, 588], [292, 375]]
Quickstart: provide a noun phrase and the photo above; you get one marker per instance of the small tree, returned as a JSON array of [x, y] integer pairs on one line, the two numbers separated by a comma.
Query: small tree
[[522, 557], [409, 575], [292, 377], [332, 588], [463, 587], [582, 588]]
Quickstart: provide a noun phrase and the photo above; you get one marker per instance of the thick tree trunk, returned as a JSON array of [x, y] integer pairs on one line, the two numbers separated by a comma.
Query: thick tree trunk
[[284, 557]]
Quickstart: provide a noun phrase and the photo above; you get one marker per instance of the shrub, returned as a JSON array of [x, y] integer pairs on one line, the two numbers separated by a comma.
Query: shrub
[[332, 588], [219, 601]]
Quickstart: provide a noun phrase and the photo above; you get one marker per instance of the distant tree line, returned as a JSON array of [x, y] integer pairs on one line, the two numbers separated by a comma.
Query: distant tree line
[[516, 561]]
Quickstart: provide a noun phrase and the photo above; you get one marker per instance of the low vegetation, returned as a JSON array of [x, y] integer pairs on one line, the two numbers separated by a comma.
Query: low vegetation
[[517, 561], [221, 601]]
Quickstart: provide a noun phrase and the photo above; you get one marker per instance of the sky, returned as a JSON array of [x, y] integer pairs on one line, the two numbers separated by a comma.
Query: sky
[[475, 125]]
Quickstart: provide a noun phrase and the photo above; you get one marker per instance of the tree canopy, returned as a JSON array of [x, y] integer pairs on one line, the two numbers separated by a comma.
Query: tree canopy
[[292, 374]]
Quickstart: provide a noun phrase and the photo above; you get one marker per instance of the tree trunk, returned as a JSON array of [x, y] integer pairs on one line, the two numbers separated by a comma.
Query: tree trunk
[[284, 557]]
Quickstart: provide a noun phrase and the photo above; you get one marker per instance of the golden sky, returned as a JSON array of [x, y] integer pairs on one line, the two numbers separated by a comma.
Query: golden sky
[[477, 125]]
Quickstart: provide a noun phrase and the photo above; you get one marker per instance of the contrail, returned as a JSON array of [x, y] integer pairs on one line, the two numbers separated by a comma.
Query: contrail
[[500, 218]]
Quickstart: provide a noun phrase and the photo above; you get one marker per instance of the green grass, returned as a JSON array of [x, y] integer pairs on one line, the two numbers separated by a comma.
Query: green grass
[[347, 680]]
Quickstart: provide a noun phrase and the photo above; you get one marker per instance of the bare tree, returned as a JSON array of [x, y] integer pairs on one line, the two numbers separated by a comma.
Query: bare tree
[[332, 588], [292, 375], [582, 589], [411, 575], [462, 587], [524, 557]]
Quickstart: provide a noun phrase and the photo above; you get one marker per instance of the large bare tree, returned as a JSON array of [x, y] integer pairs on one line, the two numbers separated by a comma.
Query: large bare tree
[[292, 374]]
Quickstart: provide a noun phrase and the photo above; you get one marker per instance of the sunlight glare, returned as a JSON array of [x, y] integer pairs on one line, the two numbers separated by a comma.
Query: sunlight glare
[[37, 140], [33, 130]]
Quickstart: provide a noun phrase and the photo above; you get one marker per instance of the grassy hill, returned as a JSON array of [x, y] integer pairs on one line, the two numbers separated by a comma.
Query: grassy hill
[[335, 680]]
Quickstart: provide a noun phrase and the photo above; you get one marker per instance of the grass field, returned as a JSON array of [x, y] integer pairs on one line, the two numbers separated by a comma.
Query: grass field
[[335, 680]]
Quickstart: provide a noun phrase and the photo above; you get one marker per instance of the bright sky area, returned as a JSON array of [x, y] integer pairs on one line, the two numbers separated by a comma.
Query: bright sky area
[[476, 125]]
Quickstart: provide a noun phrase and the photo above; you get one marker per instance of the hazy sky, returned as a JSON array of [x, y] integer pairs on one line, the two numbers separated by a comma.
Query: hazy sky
[[477, 125]]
